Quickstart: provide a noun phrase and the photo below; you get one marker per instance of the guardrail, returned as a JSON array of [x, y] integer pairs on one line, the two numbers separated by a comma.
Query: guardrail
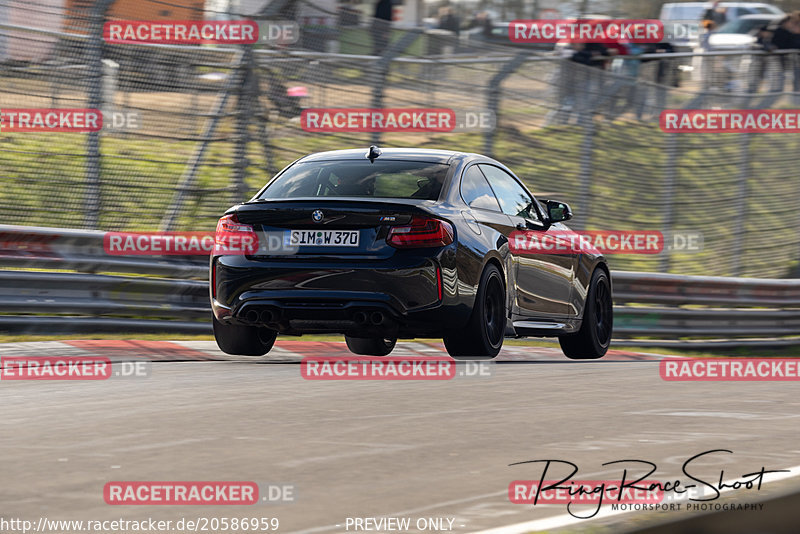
[[170, 294], [673, 309], [33, 247]]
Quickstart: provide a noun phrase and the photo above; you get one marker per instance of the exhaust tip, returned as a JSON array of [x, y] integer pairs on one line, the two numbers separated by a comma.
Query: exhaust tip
[[360, 317], [376, 318], [267, 316], [251, 316]]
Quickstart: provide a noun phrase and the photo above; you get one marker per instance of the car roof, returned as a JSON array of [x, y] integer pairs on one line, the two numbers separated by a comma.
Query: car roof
[[677, 11], [411, 154], [723, 4], [666, 8], [765, 16]]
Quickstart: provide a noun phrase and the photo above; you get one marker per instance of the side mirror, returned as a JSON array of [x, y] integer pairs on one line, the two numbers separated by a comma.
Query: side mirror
[[558, 211]]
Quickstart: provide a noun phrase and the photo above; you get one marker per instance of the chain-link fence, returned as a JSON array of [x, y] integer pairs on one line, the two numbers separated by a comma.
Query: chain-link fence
[[204, 126]]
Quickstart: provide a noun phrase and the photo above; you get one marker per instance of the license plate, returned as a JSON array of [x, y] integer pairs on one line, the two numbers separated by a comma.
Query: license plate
[[324, 238]]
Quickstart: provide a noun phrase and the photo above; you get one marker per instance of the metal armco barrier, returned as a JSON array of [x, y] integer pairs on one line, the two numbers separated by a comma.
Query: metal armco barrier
[[705, 311], [33, 247], [170, 294]]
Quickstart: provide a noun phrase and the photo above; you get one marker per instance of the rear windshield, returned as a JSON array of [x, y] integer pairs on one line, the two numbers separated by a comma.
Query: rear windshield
[[381, 179]]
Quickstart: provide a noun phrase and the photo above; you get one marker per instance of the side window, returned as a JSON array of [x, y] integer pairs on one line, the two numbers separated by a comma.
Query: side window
[[514, 200], [476, 192]]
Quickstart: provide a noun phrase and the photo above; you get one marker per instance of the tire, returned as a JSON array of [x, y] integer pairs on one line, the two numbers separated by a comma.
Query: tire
[[370, 346], [243, 340], [594, 337], [482, 338]]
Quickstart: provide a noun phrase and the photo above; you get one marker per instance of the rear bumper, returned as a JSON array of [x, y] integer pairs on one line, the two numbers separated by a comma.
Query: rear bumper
[[366, 297], [359, 315]]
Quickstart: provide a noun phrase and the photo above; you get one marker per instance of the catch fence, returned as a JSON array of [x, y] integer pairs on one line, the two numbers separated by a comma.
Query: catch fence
[[212, 123]]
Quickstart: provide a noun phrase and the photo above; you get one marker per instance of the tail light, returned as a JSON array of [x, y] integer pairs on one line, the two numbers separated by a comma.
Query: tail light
[[233, 237], [423, 232]]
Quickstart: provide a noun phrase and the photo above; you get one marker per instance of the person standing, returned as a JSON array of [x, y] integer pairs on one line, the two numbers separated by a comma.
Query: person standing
[[449, 20], [381, 26], [714, 17], [785, 37]]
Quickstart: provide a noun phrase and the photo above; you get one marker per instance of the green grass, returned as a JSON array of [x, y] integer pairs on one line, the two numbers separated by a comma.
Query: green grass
[[358, 41]]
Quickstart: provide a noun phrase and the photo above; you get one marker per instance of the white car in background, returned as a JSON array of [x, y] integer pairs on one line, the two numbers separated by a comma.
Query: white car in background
[[729, 72], [740, 34], [682, 19]]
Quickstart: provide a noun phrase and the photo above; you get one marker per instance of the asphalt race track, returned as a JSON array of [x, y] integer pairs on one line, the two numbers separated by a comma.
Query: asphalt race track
[[369, 449]]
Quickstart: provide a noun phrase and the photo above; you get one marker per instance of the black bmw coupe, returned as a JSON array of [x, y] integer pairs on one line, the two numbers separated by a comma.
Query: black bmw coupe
[[381, 245]]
